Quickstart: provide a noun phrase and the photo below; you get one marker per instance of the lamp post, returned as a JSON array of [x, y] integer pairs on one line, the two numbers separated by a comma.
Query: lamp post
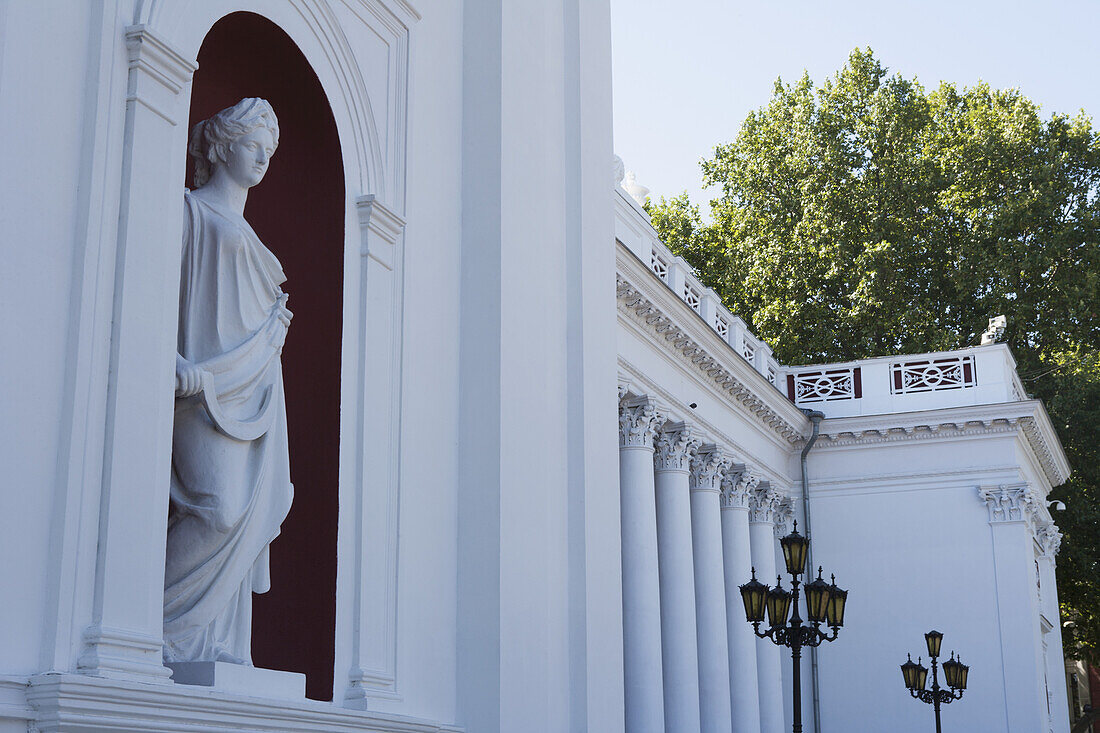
[[824, 604], [916, 674]]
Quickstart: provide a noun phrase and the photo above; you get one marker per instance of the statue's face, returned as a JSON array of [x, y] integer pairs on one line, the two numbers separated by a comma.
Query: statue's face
[[249, 156]]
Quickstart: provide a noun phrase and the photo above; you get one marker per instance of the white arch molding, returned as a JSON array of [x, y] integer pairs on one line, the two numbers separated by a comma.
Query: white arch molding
[[123, 638]]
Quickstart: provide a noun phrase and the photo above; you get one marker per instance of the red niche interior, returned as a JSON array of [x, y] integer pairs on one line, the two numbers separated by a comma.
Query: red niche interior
[[298, 212]]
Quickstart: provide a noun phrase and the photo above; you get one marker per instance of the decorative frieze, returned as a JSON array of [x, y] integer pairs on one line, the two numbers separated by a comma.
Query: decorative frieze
[[639, 420], [1008, 503], [708, 465], [674, 445]]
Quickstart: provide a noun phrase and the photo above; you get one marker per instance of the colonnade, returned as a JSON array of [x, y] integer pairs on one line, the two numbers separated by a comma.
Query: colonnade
[[694, 522]]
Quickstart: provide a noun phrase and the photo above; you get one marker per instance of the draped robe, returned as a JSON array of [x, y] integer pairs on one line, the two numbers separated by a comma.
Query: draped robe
[[229, 495]]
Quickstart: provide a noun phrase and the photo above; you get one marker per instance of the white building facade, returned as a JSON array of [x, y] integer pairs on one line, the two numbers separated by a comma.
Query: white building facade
[[469, 548]]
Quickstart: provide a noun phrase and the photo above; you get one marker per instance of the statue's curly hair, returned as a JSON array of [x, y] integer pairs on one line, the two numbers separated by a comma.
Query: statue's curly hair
[[211, 138]]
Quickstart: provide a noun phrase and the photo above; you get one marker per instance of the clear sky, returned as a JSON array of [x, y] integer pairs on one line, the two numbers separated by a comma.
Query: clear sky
[[686, 73]]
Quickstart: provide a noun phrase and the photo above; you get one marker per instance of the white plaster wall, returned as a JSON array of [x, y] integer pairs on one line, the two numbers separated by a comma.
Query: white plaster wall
[[903, 528], [537, 625], [43, 157]]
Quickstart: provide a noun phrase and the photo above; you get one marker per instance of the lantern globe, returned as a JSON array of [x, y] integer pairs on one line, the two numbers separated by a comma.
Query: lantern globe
[[753, 595], [795, 549], [934, 639], [817, 599], [909, 673], [834, 609], [951, 672], [963, 671], [779, 603], [922, 675]]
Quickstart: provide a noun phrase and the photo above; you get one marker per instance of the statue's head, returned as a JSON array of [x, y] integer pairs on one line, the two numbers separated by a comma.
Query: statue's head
[[241, 139]]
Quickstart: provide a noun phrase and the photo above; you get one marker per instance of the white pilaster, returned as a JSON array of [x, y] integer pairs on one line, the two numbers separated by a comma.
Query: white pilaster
[[1050, 540], [1011, 510], [707, 467], [675, 443], [638, 423], [125, 637], [737, 482], [762, 505]]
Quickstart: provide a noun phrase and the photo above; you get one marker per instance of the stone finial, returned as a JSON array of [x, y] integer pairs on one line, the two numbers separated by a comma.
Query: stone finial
[[995, 330], [637, 191], [618, 170]]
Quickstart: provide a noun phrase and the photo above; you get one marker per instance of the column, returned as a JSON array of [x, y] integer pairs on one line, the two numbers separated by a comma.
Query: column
[[737, 563], [707, 467], [638, 423], [675, 443], [762, 504]]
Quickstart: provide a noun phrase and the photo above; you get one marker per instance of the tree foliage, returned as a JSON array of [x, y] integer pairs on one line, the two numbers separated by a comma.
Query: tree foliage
[[869, 216]]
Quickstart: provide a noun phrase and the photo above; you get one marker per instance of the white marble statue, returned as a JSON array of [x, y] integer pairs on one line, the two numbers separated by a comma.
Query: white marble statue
[[231, 485]]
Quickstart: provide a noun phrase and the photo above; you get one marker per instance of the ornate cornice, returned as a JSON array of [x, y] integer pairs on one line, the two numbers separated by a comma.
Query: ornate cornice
[[763, 502], [711, 362], [639, 419], [1027, 419], [708, 465], [674, 445]]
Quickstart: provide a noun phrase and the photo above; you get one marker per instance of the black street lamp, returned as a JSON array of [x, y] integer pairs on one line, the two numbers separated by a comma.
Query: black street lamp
[[916, 674], [824, 604]]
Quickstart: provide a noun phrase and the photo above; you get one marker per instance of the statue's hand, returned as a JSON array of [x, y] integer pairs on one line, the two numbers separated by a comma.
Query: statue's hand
[[280, 324], [188, 377]]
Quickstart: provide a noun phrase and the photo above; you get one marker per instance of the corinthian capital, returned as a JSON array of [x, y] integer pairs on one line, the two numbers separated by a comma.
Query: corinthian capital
[[639, 419], [675, 444], [1049, 538], [763, 501], [1008, 503], [707, 466], [738, 482], [784, 516]]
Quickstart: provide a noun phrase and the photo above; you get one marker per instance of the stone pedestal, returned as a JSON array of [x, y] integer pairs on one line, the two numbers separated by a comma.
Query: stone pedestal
[[240, 679]]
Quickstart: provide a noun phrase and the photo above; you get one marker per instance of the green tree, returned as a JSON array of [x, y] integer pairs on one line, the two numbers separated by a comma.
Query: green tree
[[868, 216]]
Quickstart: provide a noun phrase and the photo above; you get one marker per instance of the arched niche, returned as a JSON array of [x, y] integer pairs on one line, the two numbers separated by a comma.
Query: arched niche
[[298, 212], [122, 638]]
